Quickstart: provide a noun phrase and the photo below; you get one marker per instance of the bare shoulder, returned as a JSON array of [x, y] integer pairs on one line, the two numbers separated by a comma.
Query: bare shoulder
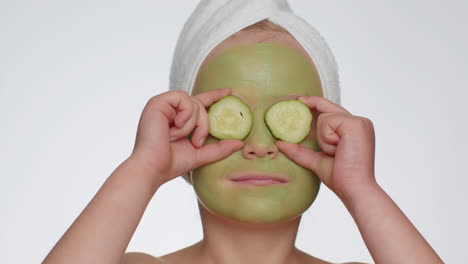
[[140, 258], [182, 256], [306, 258], [185, 255]]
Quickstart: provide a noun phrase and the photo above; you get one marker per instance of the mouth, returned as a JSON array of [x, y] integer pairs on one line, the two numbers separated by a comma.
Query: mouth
[[257, 178]]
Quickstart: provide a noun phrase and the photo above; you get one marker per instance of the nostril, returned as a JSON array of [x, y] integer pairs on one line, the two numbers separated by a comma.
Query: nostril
[[252, 151]]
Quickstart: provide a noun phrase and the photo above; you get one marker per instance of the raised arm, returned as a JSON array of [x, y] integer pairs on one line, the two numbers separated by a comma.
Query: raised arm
[[346, 166], [103, 230], [387, 232], [162, 152]]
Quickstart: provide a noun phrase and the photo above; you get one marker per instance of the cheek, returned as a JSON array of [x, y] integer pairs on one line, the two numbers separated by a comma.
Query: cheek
[[311, 143], [266, 205]]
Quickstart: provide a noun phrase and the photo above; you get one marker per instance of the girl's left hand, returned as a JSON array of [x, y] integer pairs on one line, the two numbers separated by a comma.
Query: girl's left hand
[[346, 162]]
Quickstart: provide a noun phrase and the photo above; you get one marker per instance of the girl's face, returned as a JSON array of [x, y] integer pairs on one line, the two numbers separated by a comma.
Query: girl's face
[[260, 74]]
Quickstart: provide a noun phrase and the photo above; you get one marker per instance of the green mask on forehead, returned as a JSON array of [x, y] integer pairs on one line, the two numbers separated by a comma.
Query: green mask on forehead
[[260, 74]]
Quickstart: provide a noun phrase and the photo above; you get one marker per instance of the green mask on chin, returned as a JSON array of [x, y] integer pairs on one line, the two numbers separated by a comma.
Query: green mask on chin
[[260, 74]]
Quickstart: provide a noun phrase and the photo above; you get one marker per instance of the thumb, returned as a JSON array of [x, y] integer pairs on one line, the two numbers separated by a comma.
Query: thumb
[[318, 162], [216, 151]]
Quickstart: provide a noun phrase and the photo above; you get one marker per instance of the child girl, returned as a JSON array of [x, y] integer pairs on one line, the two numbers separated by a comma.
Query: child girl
[[251, 192]]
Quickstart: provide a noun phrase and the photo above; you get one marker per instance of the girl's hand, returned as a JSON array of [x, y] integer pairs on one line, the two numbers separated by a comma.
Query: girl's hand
[[161, 144], [348, 146]]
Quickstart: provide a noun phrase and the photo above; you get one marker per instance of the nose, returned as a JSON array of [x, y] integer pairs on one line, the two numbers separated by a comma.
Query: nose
[[260, 142], [254, 150]]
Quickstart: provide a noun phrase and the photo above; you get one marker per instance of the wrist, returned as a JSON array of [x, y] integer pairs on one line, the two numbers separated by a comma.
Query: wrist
[[358, 192], [144, 172]]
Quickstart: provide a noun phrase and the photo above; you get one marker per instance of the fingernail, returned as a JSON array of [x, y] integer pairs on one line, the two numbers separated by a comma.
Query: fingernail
[[201, 141]]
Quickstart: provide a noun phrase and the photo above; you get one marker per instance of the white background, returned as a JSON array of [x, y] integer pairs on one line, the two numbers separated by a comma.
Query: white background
[[75, 76]]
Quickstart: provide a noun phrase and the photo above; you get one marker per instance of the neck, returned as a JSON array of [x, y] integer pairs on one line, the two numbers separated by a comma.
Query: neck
[[229, 241]]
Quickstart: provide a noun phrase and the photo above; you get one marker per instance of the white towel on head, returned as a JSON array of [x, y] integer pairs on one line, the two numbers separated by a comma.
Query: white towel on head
[[213, 21]]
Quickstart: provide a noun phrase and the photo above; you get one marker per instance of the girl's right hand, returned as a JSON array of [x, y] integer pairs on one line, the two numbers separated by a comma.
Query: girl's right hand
[[161, 144]]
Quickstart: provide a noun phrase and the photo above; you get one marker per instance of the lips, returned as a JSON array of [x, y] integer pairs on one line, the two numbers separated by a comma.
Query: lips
[[257, 178]]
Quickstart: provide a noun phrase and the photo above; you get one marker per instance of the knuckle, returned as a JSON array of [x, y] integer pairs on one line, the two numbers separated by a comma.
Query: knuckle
[[329, 115], [179, 92], [196, 161], [195, 99], [195, 106], [369, 123], [205, 126], [154, 98], [202, 111], [366, 121], [182, 95], [153, 102], [363, 123], [185, 95], [322, 117]]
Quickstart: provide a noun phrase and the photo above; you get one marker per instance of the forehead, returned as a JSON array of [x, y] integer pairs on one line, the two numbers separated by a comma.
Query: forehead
[[257, 36], [272, 76]]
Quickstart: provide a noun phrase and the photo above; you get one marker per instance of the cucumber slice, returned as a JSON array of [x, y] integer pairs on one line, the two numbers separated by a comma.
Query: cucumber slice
[[289, 120], [230, 118]]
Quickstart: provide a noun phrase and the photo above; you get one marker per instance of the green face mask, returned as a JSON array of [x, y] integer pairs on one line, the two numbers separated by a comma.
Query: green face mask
[[260, 74]]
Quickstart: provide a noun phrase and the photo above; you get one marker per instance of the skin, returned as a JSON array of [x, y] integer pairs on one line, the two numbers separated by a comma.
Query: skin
[[260, 74], [162, 152], [225, 238]]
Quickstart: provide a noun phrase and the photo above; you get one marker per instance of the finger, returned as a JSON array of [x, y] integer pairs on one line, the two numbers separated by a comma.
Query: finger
[[322, 105], [217, 151], [175, 105], [210, 97], [181, 102], [318, 162], [327, 135], [202, 128], [188, 126], [332, 128]]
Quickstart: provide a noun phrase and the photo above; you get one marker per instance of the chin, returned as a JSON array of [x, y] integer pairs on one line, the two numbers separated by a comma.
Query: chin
[[251, 219]]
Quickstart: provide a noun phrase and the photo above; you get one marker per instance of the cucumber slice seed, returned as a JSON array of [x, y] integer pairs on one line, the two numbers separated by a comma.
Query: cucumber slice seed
[[289, 120], [230, 118]]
